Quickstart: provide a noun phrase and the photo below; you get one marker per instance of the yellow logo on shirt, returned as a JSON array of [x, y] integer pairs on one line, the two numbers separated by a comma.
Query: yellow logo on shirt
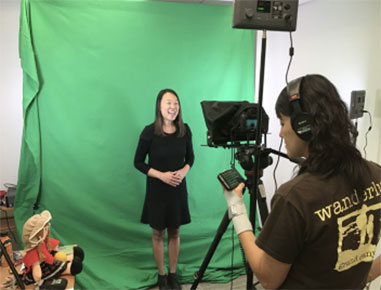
[[356, 241]]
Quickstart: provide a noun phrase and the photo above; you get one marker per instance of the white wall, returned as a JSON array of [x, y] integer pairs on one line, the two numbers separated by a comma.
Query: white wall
[[336, 38], [340, 39], [10, 92]]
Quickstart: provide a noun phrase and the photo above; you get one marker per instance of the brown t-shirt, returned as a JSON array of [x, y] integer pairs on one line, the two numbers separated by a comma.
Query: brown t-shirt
[[323, 228]]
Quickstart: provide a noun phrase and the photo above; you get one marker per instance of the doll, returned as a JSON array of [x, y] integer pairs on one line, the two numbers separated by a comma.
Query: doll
[[40, 249]]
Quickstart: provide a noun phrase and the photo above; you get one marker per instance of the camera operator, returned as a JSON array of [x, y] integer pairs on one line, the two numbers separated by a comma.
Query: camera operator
[[324, 224]]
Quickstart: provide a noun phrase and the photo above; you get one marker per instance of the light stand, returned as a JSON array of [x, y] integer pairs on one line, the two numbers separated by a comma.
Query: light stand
[[263, 15], [255, 196], [266, 15]]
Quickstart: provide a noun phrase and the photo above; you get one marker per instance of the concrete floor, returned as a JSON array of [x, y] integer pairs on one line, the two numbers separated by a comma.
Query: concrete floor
[[237, 284], [240, 284]]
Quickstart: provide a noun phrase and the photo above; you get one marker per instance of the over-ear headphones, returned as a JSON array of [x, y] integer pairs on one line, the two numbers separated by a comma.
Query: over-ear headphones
[[300, 120]]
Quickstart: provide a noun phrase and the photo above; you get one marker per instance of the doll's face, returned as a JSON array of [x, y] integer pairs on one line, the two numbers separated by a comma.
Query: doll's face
[[46, 231]]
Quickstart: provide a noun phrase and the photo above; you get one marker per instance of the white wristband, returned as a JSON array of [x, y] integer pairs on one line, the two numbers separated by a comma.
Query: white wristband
[[242, 224], [237, 209], [237, 212]]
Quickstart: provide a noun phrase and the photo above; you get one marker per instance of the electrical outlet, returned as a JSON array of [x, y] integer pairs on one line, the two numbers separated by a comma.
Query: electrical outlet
[[356, 109]]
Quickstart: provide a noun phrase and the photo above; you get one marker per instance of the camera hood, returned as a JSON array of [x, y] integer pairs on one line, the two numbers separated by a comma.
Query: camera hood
[[232, 122]]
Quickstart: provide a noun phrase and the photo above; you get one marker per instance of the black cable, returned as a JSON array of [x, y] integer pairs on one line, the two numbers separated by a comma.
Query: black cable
[[232, 165], [232, 260], [291, 54], [366, 134], [232, 151], [276, 165]]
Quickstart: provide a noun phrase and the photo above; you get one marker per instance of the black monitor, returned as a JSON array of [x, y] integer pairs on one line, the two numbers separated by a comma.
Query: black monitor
[[229, 123]]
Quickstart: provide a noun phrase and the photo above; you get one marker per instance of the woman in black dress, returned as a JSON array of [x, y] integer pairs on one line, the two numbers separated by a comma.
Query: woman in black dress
[[168, 144]]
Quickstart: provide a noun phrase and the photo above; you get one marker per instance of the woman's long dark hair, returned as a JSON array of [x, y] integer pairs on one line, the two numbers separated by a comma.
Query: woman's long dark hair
[[331, 149], [158, 124]]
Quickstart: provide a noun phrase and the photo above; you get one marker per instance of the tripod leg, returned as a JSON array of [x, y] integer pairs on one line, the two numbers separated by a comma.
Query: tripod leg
[[10, 263], [221, 230], [256, 198], [249, 273], [263, 213], [262, 205]]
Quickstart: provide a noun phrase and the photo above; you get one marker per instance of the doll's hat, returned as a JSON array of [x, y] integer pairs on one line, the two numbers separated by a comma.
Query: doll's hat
[[32, 227]]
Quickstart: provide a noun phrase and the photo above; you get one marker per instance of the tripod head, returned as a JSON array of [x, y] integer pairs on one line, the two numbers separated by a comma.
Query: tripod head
[[246, 156]]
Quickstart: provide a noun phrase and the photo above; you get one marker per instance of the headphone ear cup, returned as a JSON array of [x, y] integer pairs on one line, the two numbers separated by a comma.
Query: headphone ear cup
[[301, 123], [300, 120]]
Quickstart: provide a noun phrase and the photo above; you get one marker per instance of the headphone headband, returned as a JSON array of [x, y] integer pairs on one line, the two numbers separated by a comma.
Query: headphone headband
[[293, 89], [300, 120]]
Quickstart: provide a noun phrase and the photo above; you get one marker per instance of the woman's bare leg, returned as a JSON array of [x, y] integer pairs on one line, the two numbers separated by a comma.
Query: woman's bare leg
[[173, 248], [158, 249]]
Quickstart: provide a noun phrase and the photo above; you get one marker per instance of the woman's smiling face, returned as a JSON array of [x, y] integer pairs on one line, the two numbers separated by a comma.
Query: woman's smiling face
[[169, 107]]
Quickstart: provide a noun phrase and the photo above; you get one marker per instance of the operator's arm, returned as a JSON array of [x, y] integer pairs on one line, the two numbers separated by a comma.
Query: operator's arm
[[270, 272], [375, 270]]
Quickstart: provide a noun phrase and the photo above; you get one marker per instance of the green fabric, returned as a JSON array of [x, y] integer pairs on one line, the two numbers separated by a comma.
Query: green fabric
[[92, 70]]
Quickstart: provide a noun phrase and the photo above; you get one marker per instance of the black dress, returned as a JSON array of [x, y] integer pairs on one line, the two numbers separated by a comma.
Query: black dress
[[165, 206]]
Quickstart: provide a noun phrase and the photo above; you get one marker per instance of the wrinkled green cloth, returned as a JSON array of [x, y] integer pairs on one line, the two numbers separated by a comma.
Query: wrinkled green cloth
[[92, 70]]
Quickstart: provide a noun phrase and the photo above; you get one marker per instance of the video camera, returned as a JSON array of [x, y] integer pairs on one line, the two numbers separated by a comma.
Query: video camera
[[229, 123]]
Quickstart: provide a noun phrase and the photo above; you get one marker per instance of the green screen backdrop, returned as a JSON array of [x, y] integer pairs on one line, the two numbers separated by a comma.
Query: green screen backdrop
[[92, 71]]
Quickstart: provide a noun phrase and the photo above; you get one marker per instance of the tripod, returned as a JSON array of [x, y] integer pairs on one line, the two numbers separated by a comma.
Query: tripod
[[221, 230], [256, 194]]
